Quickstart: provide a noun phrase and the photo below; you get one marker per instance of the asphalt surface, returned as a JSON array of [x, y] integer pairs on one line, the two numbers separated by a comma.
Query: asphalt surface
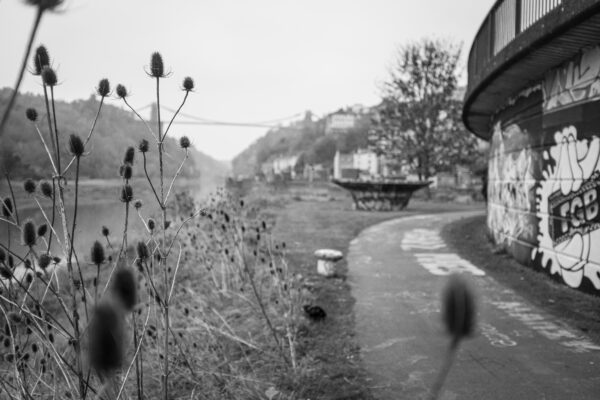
[[398, 270]]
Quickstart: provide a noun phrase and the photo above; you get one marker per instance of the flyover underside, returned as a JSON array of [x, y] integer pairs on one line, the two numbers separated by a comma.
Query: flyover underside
[[523, 63]]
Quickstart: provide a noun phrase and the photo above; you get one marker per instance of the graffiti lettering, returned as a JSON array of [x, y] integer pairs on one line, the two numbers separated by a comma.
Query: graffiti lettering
[[578, 212]]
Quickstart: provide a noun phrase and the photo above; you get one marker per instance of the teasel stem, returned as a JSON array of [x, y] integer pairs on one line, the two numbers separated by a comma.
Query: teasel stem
[[163, 261], [141, 119], [72, 239], [176, 112], [177, 174], [150, 182], [49, 119], [37, 128], [262, 309], [443, 374], [13, 97], [15, 211], [53, 213], [89, 136], [52, 230], [55, 131]]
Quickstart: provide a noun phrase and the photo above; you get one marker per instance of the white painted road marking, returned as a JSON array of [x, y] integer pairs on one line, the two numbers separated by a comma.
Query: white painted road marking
[[496, 338], [422, 239], [443, 264], [543, 325]]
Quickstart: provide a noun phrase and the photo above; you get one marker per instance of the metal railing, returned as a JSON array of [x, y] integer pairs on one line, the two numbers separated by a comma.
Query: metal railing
[[506, 20]]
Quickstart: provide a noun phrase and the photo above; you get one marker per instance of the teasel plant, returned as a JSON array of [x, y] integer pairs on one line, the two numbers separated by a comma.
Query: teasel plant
[[41, 6], [458, 314], [161, 287]]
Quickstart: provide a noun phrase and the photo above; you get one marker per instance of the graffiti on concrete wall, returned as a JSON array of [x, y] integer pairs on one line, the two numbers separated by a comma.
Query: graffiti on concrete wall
[[568, 208], [577, 81], [509, 187]]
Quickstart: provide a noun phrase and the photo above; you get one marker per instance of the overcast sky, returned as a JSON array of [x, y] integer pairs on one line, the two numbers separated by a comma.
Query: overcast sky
[[252, 60]]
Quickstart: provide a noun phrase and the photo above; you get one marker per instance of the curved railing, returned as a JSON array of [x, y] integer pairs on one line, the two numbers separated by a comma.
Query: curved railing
[[506, 20], [512, 31]]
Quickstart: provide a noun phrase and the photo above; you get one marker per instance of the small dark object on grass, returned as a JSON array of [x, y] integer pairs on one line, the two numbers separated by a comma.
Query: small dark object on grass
[[315, 313]]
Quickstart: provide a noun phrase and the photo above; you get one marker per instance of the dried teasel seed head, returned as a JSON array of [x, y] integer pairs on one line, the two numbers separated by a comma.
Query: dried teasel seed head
[[129, 156], [41, 59], [49, 76], [144, 146], [458, 308], [125, 287], [5, 272], [31, 114], [29, 186], [14, 317], [2, 256], [7, 207], [188, 84], [42, 229], [44, 261], [121, 91], [46, 189], [157, 68], [106, 334], [29, 233], [45, 4], [103, 87], [184, 142], [97, 253], [143, 252], [126, 171], [76, 145], [105, 231], [151, 224], [126, 194], [137, 204]]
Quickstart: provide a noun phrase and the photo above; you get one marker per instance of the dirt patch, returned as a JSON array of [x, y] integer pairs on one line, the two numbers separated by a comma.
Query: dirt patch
[[469, 238]]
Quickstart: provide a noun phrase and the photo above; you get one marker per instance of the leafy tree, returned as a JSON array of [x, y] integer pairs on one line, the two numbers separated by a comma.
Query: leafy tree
[[418, 122]]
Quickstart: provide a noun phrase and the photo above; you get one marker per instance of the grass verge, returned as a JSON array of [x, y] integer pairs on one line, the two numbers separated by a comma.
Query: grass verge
[[335, 371]]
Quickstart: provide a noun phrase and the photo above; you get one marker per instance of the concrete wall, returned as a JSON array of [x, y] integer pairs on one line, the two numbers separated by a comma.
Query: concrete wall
[[544, 173]]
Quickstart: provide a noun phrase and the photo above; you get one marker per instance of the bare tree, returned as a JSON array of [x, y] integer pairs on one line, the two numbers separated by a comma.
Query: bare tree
[[418, 121]]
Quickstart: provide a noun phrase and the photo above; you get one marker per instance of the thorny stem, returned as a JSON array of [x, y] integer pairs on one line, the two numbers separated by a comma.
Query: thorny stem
[[150, 181], [141, 119], [63, 214], [12, 195], [89, 136], [37, 128], [163, 259], [177, 173], [448, 361], [55, 131], [72, 241], [176, 112], [15, 93]]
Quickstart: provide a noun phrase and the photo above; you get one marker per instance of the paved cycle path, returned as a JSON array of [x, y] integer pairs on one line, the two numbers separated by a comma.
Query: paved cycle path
[[397, 272]]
